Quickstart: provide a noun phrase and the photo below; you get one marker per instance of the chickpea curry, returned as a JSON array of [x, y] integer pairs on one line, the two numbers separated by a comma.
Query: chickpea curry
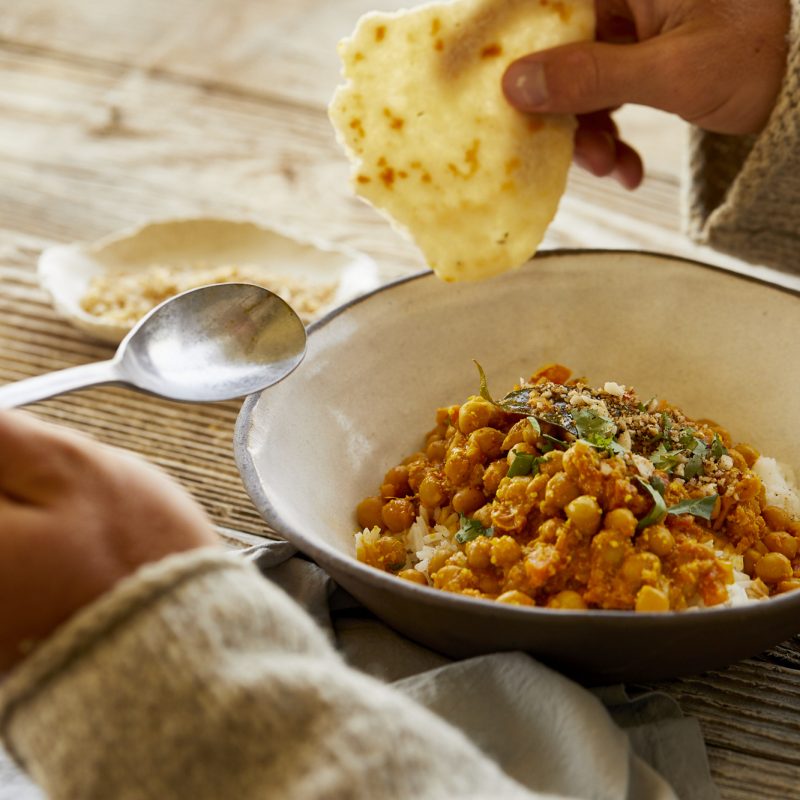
[[570, 497]]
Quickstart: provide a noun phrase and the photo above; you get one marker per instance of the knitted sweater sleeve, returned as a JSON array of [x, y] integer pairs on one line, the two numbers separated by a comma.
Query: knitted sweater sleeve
[[198, 678], [743, 197]]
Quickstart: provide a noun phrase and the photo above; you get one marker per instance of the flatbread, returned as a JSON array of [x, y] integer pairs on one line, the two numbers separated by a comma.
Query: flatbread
[[434, 144]]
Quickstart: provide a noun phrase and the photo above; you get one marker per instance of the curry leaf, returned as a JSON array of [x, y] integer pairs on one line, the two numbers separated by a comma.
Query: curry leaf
[[537, 428], [657, 512], [698, 506], [516, 402], [484, 390], [471, 529]]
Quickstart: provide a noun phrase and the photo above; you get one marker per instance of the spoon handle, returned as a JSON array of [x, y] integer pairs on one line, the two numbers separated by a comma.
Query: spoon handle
[[65, 380]]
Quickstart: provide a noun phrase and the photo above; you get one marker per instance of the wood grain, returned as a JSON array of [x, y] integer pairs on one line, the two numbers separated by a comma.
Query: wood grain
[[117, 112]]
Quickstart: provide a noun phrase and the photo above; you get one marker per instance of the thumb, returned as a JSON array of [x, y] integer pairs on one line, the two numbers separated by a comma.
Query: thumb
[[588, 76]]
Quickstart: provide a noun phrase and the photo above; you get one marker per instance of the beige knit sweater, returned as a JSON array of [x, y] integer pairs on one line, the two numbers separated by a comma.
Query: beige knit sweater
[[197, 678], [744, 194]]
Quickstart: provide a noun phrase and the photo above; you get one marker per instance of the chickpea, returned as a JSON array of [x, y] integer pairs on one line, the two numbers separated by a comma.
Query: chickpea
[[553, 463], [621, 520], [479, 553], [782, 542], [633, 568], [368, 512], [416, 472], [774, 568], [515, 598], [439, 558], [431, 492], [475, 413], [398, 515], [529, 434], [483, 515], [436, 450], [505, 551], [561, 490], [650, 599], [516, 434], [608, 547], [457, 466], [567, 600], [468, 500], [444, 416], [549, 530], [658, 539], [519, 448], [414, 576], [750, 559], [776, 518], [445, 575], [493, 474], [488, 440], [584, 513]]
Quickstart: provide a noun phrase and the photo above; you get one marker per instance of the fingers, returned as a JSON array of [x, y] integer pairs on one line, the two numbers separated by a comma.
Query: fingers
[[586, 77], [599, 150], [37, 459]]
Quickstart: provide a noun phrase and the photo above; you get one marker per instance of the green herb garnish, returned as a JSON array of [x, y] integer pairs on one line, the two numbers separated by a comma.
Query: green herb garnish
[[664, 459], [701, 507], [717, 448], [657, 512], [471, 529], [537, 428], [658, 484], [524, 464], [551, 443], [591, 425]]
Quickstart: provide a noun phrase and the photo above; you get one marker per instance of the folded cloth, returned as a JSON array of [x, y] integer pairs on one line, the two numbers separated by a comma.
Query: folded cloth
[[518, 711]]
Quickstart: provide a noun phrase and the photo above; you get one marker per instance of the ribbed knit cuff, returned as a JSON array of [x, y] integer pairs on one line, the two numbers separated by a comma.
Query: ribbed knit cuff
[[122, 671], [744, 191]]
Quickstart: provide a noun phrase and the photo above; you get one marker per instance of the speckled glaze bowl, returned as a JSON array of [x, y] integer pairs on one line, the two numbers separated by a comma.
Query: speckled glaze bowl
[[716, 344]]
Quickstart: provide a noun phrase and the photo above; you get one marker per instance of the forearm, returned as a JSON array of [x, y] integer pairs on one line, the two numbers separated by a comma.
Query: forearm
[[744, 192], [198, 678]]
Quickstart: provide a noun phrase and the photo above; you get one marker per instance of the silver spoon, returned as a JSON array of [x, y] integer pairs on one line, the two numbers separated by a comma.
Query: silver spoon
[[208, 344]]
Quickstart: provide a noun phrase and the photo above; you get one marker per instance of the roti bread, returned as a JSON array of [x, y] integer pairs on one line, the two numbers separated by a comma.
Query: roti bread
[[434, 144]]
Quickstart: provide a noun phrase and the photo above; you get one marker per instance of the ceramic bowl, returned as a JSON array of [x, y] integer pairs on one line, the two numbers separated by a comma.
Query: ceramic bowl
[[716, 344]]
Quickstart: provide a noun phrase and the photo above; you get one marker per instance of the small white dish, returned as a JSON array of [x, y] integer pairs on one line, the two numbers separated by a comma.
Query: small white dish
[[67, 271]]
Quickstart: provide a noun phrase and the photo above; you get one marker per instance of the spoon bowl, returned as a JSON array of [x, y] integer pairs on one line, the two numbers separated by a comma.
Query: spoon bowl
[[208, 344]]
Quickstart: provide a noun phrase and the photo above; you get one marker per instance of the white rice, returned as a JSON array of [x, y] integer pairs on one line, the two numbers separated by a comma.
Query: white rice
[[780, 484]]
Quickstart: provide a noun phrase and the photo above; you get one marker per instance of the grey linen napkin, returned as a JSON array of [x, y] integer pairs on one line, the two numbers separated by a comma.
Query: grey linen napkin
[[544, 730]]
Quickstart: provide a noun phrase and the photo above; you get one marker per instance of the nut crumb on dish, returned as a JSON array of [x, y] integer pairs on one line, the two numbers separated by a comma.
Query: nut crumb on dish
[[122, 298], [565, 496]]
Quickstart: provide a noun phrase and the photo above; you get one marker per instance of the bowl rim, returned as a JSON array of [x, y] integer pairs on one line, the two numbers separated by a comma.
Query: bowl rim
[[321, 552]]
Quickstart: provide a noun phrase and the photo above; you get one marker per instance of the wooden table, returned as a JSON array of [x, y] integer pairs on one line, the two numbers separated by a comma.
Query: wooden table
[[126, 110]]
